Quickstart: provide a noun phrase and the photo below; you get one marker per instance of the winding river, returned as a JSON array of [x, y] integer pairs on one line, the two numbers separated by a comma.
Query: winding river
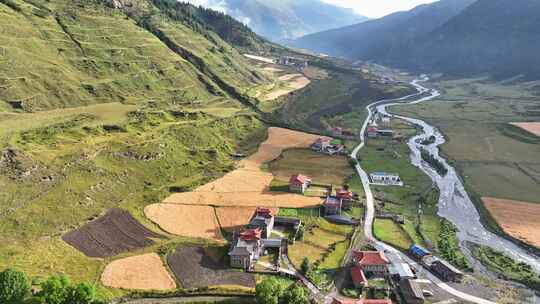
[[454, 202]]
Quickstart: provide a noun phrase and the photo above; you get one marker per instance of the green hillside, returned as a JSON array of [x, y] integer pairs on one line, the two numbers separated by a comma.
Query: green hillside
[[109, 104], [70, 53]]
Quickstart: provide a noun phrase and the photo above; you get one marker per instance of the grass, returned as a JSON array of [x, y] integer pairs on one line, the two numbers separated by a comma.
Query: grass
[[324, 244], [506, 267], [392, 233], [393, 156], [322, 169]]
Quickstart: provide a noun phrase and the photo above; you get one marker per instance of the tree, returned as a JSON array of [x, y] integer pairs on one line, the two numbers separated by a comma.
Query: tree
[[84, 293], [55, 290], [268, 291], [304, 267], [14, 286], [300, 234], [296, 294]]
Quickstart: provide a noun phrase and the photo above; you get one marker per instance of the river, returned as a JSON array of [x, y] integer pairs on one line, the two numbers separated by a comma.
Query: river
[[454, 203]]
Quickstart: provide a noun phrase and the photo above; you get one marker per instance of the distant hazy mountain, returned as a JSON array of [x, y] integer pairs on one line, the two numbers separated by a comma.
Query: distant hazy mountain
[[279, 20], [369, 39], [454, 36]]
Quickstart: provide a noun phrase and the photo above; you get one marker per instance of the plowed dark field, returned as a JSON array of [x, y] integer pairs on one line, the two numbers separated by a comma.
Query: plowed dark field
[[198, 267], [115, 232]]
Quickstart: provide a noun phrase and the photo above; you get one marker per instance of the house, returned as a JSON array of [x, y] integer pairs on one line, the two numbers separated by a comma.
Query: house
[[321, 144], [341, 220], [247, 249], [372, 132], [263, 219], [293, 61], [374, 263], [337, 131], [385, 179], [400, 271], [346, 196], [299, 183], [411, 292], [386, 133], [419, 252], [332, 205], [368, 263], [446, 271]]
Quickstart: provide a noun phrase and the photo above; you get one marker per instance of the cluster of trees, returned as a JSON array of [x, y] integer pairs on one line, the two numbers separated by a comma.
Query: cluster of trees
[[272, 291], [433, 162], [16, 289], [448, 246]]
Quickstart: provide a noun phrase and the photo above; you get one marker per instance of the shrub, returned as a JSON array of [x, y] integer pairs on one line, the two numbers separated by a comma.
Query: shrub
[[14, 287]]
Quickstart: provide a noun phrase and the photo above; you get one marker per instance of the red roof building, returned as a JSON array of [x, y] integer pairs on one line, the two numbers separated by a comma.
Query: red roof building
[[358, 277], [344, 194], [264, 212], [299, 183], [251, 235], [373, 263]]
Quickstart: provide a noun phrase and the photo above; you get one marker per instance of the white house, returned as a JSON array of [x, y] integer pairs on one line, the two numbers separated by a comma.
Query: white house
[[385, 179]]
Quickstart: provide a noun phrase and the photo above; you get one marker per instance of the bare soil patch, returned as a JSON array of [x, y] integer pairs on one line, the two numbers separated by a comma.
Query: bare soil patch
[[531, 127], [294, 82], [115, 232], [143, 272], [196, 267], [231, 218], [260, 58], [249, 185], [518, 219], [186, 220]]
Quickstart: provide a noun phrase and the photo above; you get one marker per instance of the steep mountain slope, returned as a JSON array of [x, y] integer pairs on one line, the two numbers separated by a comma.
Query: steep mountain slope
[[68, 53], [287, 19], [499, 37], [367, 40]]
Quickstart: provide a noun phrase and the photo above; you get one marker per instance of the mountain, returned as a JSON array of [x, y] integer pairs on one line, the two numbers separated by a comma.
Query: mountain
[[279, 20], [368, 39], [61, 53], [462, 37]]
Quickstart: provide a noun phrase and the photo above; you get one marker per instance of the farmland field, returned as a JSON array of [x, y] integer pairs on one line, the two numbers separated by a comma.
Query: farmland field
[[532, 127], [494, 157], [143, 272], [322, 169], [197, 267], [392, 233], [111, 234], [518, 219]]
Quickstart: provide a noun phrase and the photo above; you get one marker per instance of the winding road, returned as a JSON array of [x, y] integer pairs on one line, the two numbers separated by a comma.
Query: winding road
[[392, 253]]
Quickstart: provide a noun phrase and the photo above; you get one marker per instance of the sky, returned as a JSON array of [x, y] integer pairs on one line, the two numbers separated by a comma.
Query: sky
[[378, 8]]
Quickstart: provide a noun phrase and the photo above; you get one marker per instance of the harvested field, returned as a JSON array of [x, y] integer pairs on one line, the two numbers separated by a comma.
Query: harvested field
[[531, 127], [294, 82], [518, 219], [185, 220], [249, 185], [143, 272], [111, 234], [198, 267], [231, 218], [259, 58]]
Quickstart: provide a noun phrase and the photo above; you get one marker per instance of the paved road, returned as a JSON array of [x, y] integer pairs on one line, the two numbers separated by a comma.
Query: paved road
[[394, 254]]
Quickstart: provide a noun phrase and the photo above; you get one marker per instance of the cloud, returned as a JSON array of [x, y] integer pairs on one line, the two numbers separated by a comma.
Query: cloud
[[378, 8]]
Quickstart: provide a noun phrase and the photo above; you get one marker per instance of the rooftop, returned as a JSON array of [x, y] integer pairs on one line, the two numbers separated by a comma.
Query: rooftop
[[384, 173], [251, 235], [364, 258], [299, 178]]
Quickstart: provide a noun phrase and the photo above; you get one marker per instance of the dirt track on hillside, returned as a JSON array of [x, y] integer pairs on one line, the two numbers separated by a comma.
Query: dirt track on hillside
[[518, 219], [294, 82]]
